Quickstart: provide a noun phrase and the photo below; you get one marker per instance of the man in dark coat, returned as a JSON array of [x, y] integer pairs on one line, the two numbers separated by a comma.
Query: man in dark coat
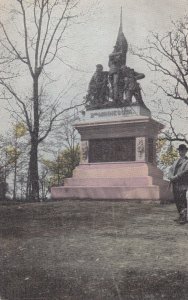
[[178, 176]]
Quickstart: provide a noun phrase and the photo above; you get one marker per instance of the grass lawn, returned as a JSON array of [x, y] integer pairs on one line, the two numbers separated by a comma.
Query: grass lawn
[[92, 250]]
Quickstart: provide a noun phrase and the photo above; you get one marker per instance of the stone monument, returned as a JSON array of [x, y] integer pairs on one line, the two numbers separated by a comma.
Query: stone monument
[[118, 138]]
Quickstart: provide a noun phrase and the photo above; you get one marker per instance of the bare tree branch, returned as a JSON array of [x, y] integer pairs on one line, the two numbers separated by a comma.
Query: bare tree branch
[[168, 55], [54, 118]]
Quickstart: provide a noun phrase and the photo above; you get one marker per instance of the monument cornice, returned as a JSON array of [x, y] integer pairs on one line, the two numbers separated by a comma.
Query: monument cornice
[[119, 121]]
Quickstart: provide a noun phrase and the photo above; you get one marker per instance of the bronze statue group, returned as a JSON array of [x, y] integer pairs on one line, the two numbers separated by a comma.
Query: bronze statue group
[[115, 88], [118, 86]]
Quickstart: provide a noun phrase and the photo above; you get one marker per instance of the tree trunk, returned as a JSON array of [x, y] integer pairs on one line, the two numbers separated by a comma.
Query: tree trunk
[[33, 163], [15, 180], [28, 186], [34, 177]]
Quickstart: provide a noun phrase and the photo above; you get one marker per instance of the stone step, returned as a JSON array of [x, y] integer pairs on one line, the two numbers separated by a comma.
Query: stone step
[[129, 181], [110, 193], [116, 170]]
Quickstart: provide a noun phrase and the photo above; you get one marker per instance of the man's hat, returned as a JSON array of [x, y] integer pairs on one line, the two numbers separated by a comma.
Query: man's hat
[[99, 66], [182, 147]]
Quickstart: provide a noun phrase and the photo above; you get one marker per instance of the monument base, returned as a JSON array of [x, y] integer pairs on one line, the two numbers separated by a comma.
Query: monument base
[[114, 181], [118, 151]]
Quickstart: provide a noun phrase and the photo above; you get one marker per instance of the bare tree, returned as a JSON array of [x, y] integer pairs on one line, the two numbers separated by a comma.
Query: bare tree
[[168, 56], [66, 136], [40, 28]]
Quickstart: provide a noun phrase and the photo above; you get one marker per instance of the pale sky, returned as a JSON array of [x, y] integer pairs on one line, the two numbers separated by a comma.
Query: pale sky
[[93, 41]]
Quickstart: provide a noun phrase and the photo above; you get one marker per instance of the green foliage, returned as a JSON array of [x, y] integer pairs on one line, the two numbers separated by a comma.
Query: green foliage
[[166, 153], [13, 157], [169, 156], [62, 167], [12, 146], [160, 143], [12, 154], [19, 130]]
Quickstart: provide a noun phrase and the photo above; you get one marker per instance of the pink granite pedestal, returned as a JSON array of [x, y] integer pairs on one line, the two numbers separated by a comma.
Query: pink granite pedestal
[[136, 179], [117, 181]]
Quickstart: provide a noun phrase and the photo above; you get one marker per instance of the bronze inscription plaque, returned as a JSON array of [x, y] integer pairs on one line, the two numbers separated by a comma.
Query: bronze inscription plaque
[[112, 150]]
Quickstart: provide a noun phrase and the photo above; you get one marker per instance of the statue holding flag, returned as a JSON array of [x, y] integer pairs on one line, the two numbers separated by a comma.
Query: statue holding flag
[[117, 87]]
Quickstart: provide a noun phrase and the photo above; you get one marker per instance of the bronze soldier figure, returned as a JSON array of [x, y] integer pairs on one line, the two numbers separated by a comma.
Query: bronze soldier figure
[[98, 91]]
